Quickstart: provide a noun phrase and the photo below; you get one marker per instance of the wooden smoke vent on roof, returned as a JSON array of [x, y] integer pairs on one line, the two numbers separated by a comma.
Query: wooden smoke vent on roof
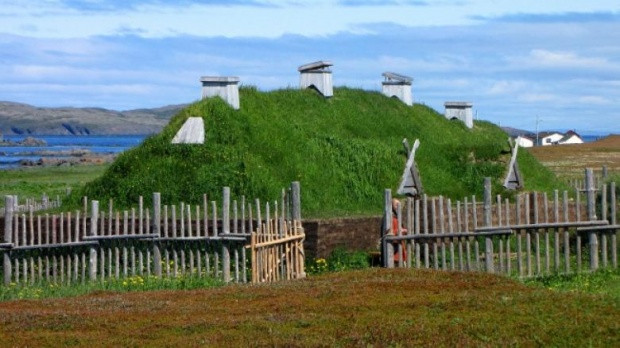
[[318, 76], [397, 86], [225, 87], [460, 111]]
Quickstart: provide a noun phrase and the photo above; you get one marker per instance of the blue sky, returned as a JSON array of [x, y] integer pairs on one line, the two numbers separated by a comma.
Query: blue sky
[[515, 60]]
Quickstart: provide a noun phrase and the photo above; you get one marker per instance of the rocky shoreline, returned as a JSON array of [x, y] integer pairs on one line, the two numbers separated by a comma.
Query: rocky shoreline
[[75, 159], [28, 141]]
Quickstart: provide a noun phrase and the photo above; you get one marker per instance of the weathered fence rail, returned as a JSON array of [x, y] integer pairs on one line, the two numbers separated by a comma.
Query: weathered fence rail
[[165, 241], [532, 236]]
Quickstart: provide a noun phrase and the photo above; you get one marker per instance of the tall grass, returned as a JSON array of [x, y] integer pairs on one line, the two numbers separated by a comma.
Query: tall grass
[[344, 151]]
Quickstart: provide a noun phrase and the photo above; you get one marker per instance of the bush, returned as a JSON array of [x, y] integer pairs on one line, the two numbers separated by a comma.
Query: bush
[[339, 260]]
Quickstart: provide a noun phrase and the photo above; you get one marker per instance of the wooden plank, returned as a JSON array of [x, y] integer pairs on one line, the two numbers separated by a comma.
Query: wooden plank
[[149, 237], [604, 217], [578, 237], [435, 247], [296, 191], [612, 213], [488, 242], [8, 238], [92, 262], [156, 227], [272, 242], [410, 230], [401, 247], [550, 225], [499, 232], [442, 229], [387, 249], [426, 231], [416, 223], [226, 230], [591, 206]]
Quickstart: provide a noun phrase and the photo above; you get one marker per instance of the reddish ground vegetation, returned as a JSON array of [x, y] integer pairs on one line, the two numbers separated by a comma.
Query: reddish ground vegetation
[[570, 160], [375, 306]]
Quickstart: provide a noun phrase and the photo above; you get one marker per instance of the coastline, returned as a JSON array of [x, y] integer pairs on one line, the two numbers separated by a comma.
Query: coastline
[[63, 150]]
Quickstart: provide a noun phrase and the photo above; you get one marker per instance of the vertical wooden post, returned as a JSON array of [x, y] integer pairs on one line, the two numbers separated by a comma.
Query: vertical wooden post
[[387, 247], [425, 218], [226, 231], [556, 218], [604, 217], [8, 237], [295, 188], [591, 203], [488, 257], [612, 213], [156, 230], [92, 261]]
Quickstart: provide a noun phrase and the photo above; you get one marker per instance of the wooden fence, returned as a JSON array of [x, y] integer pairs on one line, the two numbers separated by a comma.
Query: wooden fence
[[599, 180], [33, 204], [168, 241], [532, 236]]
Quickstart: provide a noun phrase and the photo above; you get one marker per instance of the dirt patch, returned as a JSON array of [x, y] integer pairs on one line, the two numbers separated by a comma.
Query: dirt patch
[[569, 161]]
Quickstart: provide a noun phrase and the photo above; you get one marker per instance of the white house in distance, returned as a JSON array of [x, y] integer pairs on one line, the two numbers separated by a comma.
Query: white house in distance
[[557, 138], [571, 137], [549, 138], [524, 141]]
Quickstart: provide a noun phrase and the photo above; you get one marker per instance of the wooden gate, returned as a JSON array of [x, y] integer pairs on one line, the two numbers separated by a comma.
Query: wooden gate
[[277, 251]]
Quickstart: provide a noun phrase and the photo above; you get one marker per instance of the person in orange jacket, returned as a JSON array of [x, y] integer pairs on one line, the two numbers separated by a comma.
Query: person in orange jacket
[[394, 231]]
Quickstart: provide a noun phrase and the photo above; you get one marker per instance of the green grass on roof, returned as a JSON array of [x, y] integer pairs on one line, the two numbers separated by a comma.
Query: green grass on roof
[[344, 150]]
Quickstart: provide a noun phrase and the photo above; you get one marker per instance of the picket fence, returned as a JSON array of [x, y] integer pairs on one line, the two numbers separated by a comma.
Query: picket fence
[[32, 204], [532, 236], [599, 179], [167, 241]]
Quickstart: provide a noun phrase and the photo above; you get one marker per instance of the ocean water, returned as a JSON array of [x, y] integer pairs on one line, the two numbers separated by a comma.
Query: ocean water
[[10, 156]]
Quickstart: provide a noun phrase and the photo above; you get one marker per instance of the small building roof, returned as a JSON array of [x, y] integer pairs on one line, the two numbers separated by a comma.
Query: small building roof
[[546, 134], [220, 79], [531, 137], [568, 135], [394, 77], [318, 65], [453, 104]]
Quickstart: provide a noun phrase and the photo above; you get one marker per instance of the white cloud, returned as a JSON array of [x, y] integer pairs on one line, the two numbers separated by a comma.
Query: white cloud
[[506, 87], [541, 58], [593, 100], [538, 97], [246, 19]]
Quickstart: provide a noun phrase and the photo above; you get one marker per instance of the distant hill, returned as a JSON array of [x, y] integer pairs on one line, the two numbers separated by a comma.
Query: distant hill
[[17, 118], [515, 132], [344, 150]]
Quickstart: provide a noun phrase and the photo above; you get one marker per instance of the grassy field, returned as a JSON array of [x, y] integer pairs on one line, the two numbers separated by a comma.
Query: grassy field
[[357, 308], [33, 182], [569, 161]]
